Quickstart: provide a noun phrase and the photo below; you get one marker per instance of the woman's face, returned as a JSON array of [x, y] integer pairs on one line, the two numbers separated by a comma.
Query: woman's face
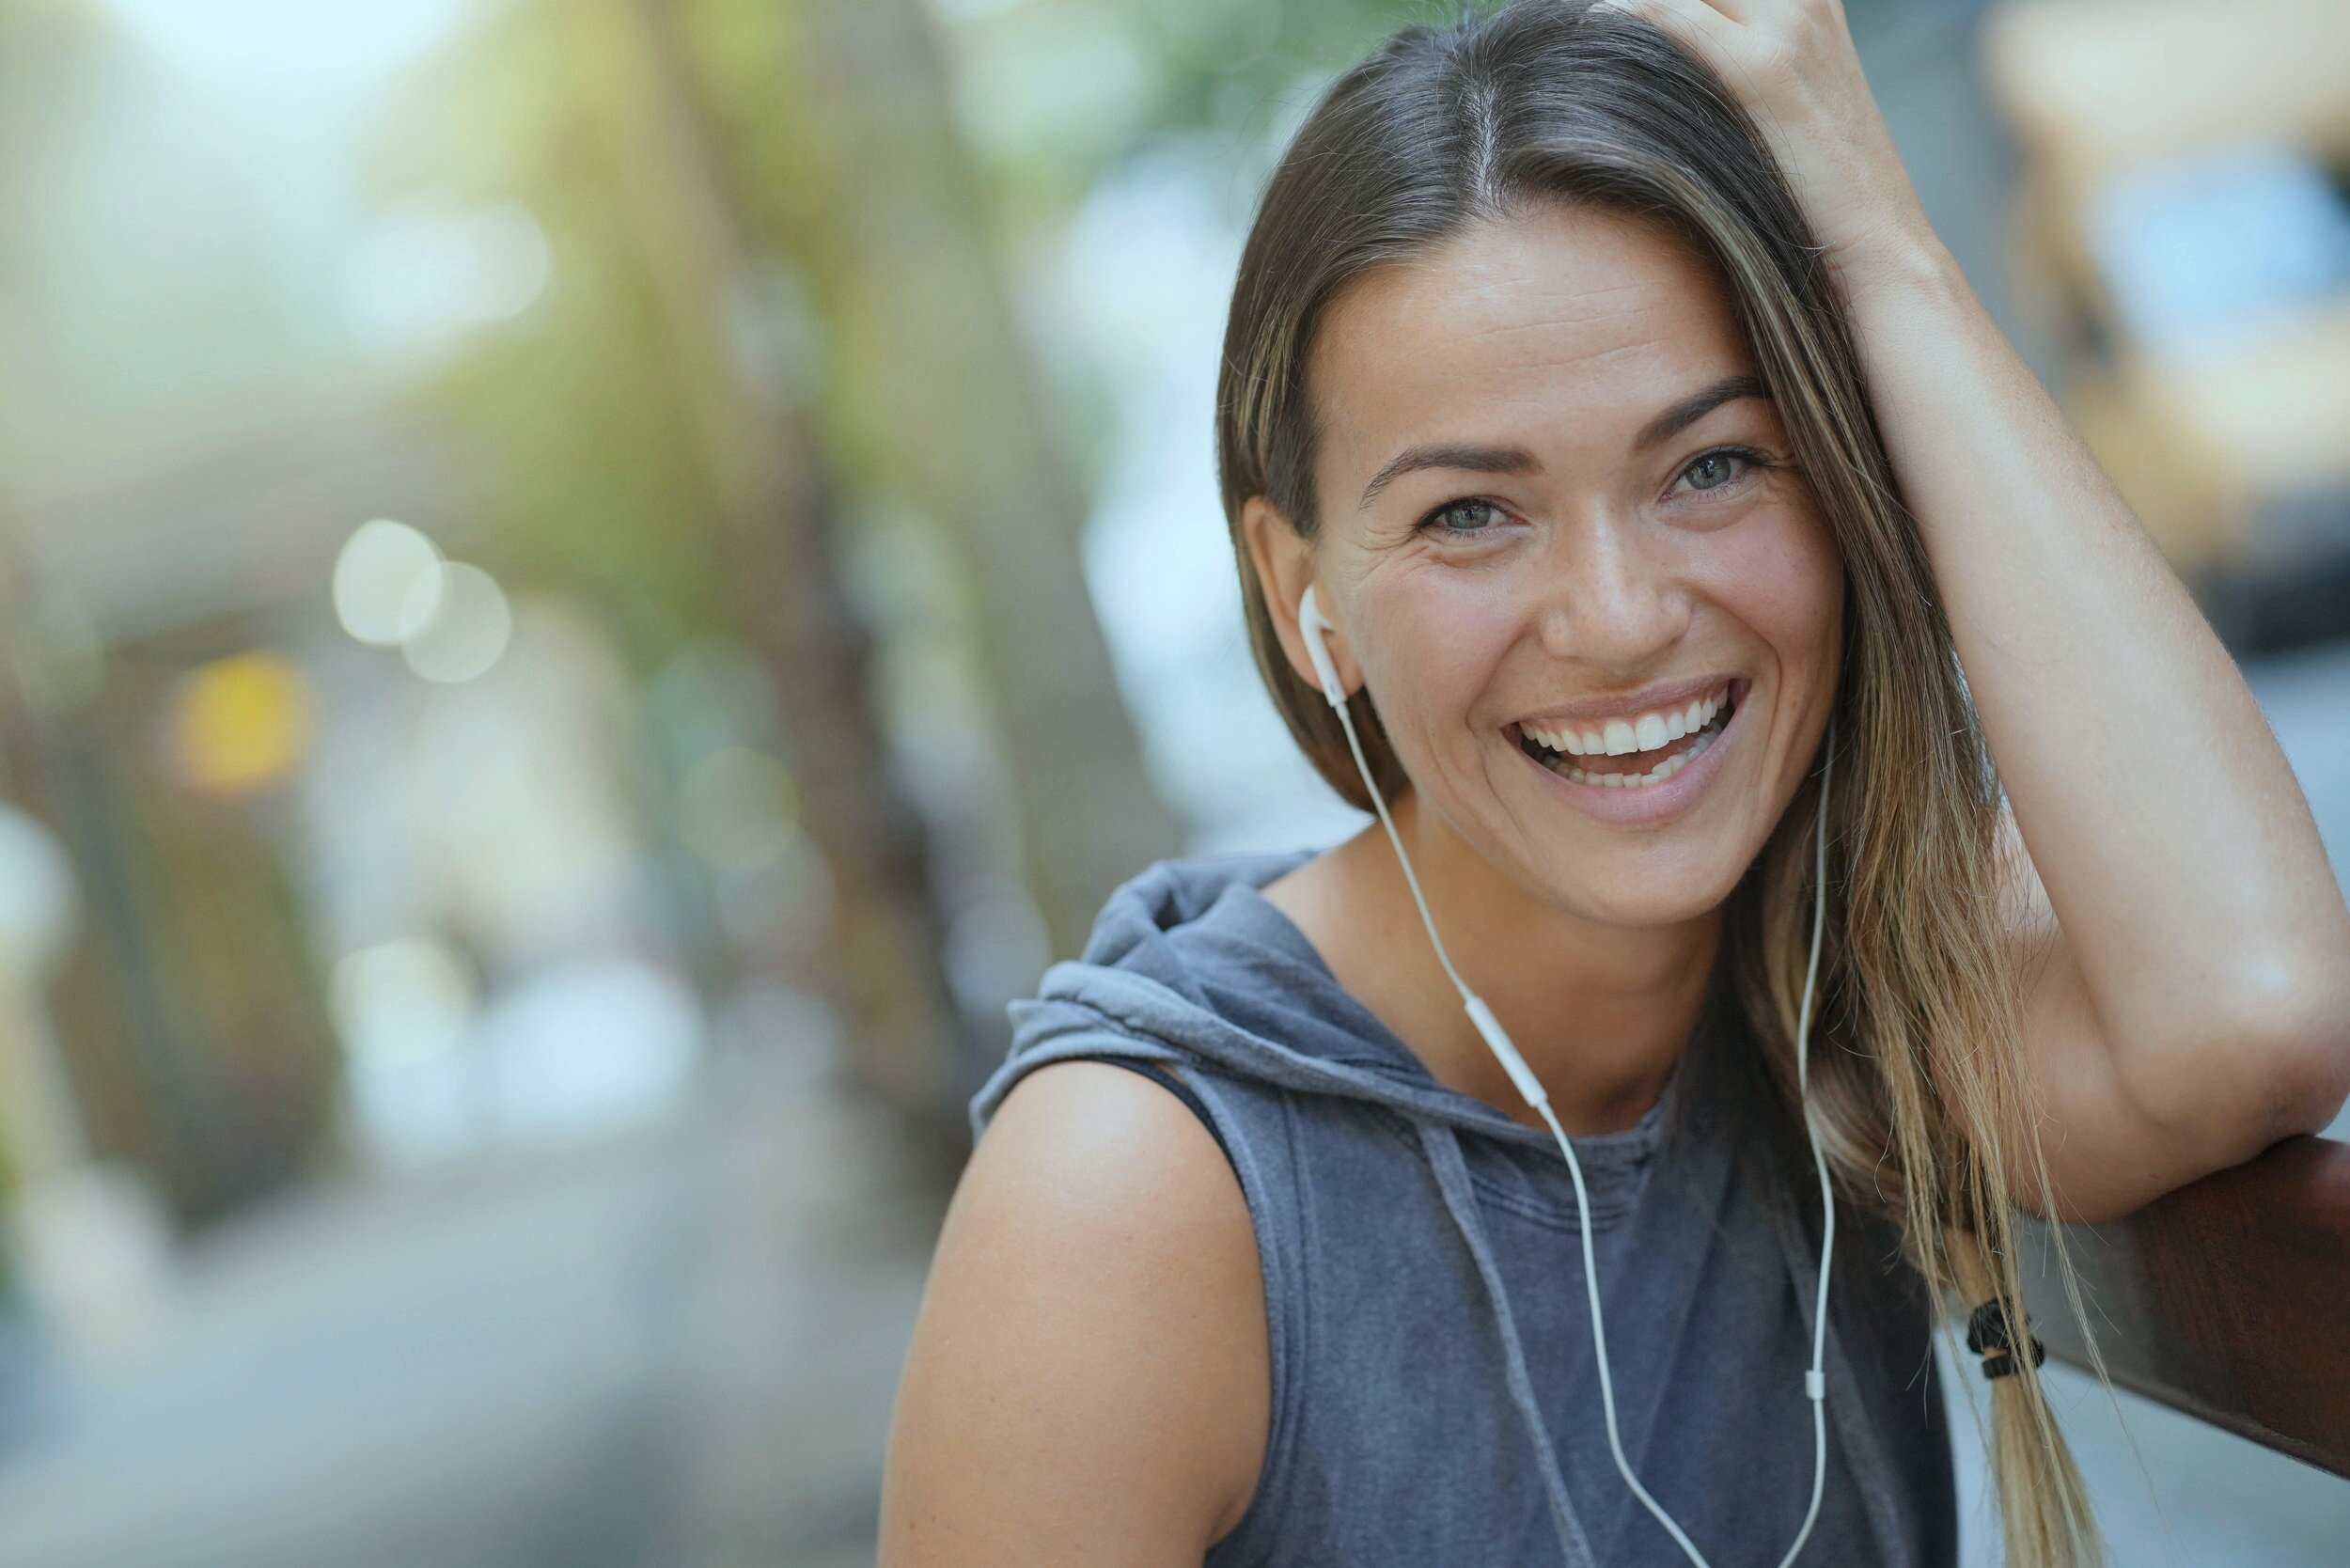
[[1558, 510]]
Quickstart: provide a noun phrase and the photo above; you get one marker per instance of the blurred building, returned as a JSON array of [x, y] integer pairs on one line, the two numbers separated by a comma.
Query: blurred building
[[2182, 234]]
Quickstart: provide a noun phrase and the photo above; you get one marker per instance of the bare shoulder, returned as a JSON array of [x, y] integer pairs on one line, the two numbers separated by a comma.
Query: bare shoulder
[[1089, 1377]]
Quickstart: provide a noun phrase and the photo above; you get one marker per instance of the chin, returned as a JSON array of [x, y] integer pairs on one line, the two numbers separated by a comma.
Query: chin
[[1649, 909], [1650, 887]]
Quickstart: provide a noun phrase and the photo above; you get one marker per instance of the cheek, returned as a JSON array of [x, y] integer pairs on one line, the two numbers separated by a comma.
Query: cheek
[[1777, 572], [1440, 636]]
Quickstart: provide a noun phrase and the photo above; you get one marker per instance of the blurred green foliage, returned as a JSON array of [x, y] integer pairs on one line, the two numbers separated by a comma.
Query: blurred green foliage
[[579, 406], [595, 481]]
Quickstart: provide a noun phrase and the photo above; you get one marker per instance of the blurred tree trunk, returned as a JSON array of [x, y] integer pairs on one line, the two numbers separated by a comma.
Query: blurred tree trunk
[[886, 968], [893, 241]]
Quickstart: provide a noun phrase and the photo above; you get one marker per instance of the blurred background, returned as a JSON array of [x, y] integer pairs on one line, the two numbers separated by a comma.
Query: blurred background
[[588, 588]]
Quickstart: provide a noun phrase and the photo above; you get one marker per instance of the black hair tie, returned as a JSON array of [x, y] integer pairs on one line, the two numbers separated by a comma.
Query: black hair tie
[[1990, 1334]]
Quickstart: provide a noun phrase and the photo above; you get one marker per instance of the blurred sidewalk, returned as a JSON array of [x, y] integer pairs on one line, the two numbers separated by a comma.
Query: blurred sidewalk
[[676, 1347]]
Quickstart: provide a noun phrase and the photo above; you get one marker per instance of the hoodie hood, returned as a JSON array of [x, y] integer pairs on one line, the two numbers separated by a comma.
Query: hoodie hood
[[1188, 958]]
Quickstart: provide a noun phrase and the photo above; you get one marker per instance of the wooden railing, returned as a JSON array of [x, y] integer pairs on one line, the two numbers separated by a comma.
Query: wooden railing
[[2228, 1299]]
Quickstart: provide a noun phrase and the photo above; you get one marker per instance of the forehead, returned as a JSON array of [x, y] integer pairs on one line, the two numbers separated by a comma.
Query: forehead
[[1572, 318]]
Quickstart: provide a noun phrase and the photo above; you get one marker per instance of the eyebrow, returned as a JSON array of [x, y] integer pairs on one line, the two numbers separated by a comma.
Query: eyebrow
[[1473, 458]]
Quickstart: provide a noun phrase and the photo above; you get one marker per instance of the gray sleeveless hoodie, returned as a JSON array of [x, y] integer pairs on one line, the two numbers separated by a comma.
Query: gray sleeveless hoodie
[[1434, 1394]]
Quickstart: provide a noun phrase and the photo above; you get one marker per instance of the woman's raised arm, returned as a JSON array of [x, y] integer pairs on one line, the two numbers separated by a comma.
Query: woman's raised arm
[[2188, 946]]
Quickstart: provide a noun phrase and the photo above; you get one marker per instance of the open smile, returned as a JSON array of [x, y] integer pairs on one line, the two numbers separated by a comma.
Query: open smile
[[1637, 768]]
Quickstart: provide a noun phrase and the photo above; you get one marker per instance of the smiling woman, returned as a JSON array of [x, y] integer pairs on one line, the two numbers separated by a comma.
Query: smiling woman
[[1641, 537], [1638, 464]]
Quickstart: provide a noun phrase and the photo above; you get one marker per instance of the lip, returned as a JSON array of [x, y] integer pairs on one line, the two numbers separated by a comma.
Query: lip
[[1650, 804], [1679, 694]]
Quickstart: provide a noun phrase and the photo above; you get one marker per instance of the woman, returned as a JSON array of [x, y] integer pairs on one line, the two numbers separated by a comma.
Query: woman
[[1545, 373]]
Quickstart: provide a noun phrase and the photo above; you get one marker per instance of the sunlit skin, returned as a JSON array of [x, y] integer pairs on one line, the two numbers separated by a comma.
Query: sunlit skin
[[1605, 570]]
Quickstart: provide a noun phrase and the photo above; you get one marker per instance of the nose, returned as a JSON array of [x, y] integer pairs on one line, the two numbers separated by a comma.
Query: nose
[[1610, 598]]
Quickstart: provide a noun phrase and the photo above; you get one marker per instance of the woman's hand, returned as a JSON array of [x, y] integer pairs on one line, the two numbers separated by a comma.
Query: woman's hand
[[1792, 64]]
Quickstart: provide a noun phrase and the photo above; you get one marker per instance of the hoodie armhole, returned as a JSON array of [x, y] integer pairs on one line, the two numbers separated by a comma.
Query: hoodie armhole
[[1256, 1537], [1182, 1091]]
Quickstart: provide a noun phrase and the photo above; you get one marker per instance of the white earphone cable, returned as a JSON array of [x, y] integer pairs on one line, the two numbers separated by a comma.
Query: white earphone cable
[[1815, 1383]]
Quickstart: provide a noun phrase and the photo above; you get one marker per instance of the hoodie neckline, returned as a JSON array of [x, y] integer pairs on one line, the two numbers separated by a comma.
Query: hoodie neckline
[[1269, 928]]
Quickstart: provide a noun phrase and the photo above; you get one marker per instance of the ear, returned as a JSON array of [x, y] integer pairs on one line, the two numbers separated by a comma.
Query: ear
[[1285, 566]]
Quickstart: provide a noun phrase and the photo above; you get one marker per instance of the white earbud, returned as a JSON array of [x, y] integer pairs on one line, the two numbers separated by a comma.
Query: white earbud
[[1311, 622], [1315, 626]]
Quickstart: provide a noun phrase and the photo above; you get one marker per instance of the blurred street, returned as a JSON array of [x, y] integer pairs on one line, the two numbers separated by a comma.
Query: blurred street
[[671, 1346]]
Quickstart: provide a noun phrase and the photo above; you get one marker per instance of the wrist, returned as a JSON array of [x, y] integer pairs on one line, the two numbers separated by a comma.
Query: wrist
[[1896, 260]]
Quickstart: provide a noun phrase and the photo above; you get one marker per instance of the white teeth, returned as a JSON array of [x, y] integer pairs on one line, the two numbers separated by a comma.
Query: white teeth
[[1559, 740], [1622, 736], [1657, 775]]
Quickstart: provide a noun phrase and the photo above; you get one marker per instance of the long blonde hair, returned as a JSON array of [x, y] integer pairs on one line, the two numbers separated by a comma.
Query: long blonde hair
[[1916, 1072]]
